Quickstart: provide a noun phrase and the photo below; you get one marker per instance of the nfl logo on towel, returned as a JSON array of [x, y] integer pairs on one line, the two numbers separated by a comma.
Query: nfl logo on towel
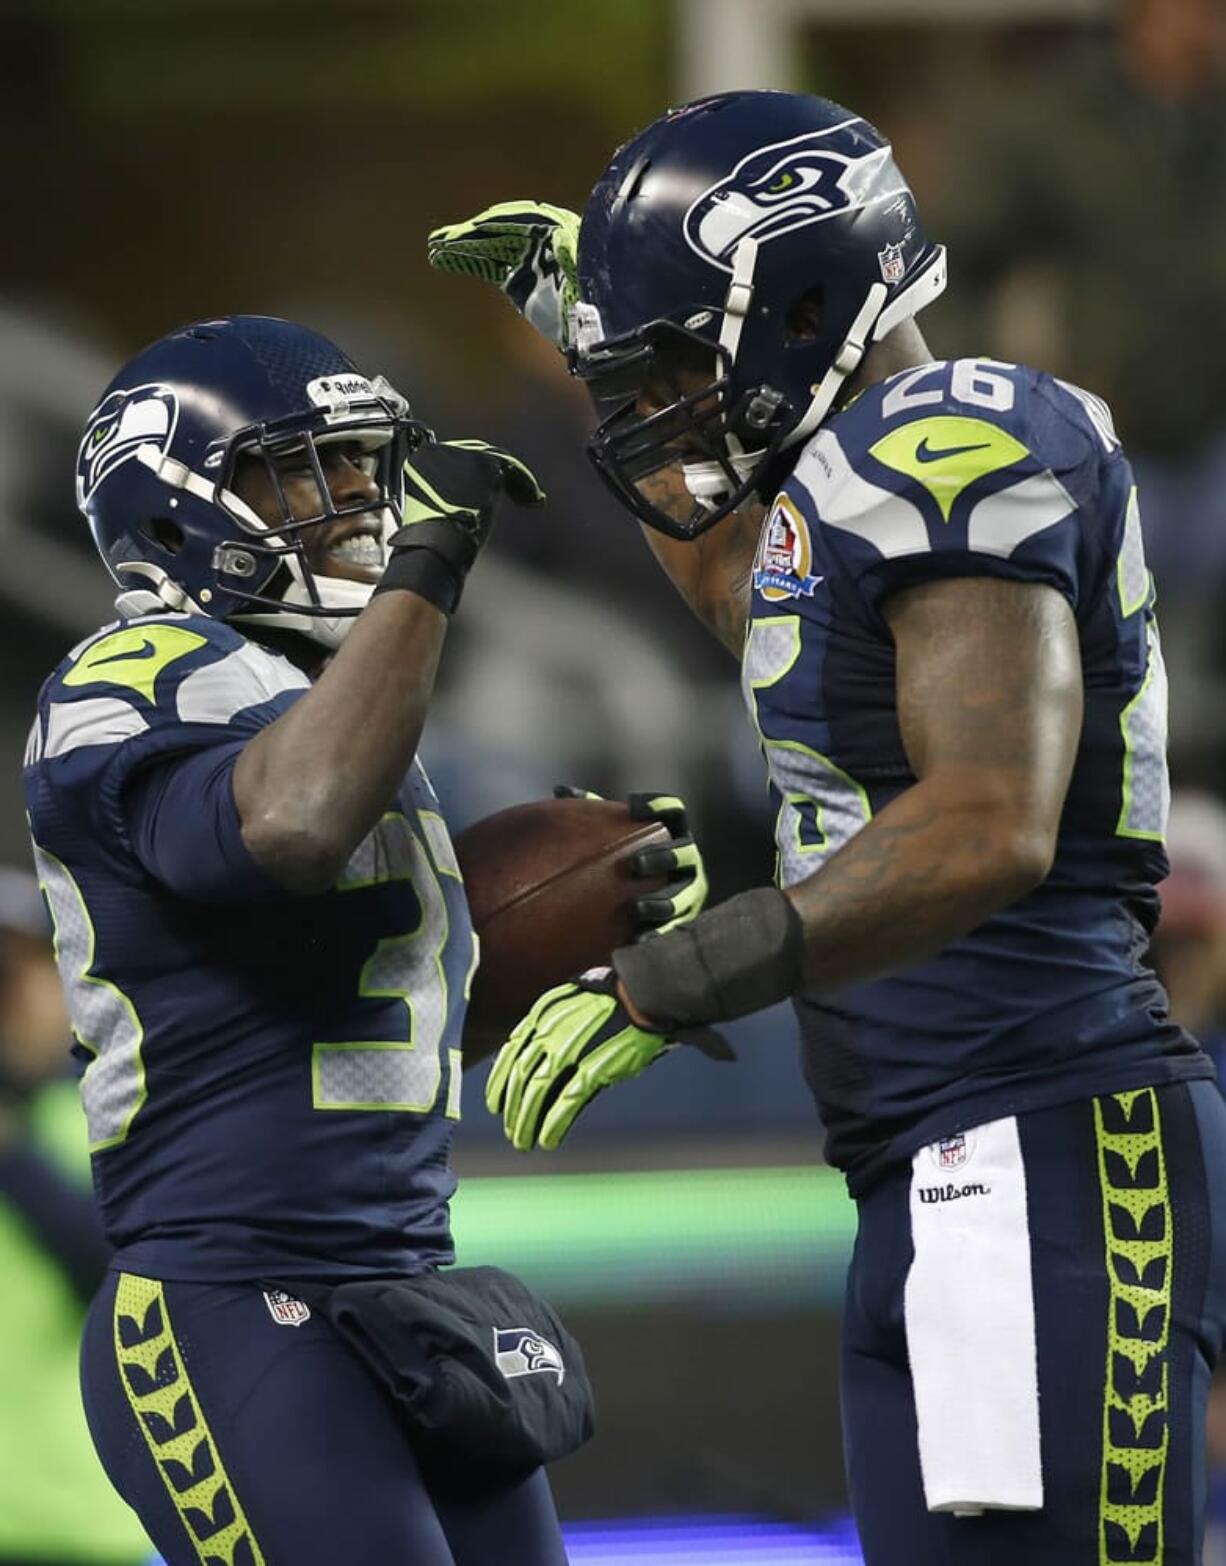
[[518, 1351], [952, 1151], [284, 1309]]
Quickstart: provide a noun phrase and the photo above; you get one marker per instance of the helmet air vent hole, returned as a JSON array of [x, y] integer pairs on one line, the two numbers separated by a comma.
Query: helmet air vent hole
[[633, 180], [166, 534], [804, 318]]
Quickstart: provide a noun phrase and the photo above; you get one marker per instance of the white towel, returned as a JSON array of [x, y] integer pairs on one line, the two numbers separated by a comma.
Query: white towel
[[969, 1310]]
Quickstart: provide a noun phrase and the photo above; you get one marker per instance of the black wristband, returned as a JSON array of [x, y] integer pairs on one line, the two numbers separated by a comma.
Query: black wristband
[[736, 958], [423, 572]]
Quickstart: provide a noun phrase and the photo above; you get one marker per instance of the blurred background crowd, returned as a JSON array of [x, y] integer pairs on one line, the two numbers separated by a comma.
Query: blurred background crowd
[[288, 156]]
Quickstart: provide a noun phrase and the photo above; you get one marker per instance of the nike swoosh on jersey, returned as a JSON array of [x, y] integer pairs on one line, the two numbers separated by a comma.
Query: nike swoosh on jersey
[[147, 649], [133, 656], [925, 453]]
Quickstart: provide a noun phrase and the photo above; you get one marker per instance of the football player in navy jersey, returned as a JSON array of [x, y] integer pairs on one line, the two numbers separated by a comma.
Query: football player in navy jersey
[[264, 940], [933, 574]]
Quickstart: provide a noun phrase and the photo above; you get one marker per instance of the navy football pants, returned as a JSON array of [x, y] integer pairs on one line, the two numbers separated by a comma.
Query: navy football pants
[[241, 1441], [1126, 1204]]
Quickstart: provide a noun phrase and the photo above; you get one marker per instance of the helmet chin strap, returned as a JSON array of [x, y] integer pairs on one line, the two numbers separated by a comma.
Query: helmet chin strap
[[846, 363], [334, 592], [324, 629], [708, 481]]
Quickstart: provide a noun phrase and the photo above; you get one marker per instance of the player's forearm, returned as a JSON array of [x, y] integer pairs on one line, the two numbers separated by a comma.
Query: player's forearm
[[921, 874], [925, 871], [310, 786]]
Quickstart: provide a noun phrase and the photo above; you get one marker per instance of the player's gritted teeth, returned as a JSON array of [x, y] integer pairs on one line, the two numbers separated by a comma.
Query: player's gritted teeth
[[352, 550]]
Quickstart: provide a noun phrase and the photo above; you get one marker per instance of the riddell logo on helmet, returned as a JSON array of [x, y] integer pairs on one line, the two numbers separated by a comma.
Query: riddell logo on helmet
[[327, 390], [786, 186]]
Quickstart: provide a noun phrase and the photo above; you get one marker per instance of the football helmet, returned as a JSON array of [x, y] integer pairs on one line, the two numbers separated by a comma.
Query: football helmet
[[156, 466], [736, 260]]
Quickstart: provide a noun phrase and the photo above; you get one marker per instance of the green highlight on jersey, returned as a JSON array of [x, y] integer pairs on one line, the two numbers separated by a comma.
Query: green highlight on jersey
[[1140, 1246], [1133, 581], [167, 1413], [133, 657], [947, 454]]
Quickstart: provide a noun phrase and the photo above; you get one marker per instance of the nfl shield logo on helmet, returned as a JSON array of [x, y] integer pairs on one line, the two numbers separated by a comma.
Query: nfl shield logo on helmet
[[284, 1309], [892, 265], [518, 1351]]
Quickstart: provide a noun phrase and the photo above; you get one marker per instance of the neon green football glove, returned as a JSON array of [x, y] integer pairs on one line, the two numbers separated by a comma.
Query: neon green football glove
[[685, 894], [577, 1040], [526, 248]]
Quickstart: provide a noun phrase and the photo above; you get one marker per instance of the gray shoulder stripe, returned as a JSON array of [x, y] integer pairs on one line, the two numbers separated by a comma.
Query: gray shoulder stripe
[[243, 678], [102, 720], [892, 524], [1000, 522]]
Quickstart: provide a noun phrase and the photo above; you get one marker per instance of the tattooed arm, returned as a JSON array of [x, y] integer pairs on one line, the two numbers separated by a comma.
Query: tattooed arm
[[989, 704], [712, 571]]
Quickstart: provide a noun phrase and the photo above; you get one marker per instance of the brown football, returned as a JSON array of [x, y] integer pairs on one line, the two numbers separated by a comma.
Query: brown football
[[551, 892]]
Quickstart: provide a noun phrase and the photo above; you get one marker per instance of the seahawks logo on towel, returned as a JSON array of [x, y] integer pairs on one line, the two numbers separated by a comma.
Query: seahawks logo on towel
[[518, 1351]]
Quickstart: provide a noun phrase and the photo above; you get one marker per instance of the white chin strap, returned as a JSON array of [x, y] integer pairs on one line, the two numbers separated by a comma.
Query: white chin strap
[[707, 481], [333, 592], [327, 630]]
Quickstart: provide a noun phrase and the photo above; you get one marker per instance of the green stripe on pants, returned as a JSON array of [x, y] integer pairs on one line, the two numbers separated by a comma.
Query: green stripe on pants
[[166, 1408], [1139, 1255]]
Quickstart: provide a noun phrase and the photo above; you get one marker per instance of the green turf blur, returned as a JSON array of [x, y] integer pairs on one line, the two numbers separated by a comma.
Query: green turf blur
[[747, 1238]]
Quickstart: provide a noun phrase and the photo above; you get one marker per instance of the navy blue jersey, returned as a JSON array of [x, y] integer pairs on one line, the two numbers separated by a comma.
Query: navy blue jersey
[[271, 1081], [969, 468]]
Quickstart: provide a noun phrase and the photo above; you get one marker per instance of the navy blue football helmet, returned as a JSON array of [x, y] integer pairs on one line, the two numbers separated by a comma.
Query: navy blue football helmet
[[157, 461], [760, 241]]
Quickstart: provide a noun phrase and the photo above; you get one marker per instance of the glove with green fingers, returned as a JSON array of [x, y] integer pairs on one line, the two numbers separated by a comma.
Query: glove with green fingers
[[577, 1040], [452, 491], [529, 249], [685, 893], [680, 860]]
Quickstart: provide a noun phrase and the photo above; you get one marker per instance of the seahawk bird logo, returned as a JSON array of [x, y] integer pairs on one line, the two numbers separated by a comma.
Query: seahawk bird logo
[[118, 427], [783, 187], [518, 1351]]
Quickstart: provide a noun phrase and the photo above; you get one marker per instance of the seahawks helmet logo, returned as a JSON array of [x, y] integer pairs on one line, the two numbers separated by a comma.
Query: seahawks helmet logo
[[777, 189], [518, 1351], [118, 427]]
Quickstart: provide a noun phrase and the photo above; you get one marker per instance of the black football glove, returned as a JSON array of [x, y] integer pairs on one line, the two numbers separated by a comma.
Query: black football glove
[[686, 892], [452, 491]]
